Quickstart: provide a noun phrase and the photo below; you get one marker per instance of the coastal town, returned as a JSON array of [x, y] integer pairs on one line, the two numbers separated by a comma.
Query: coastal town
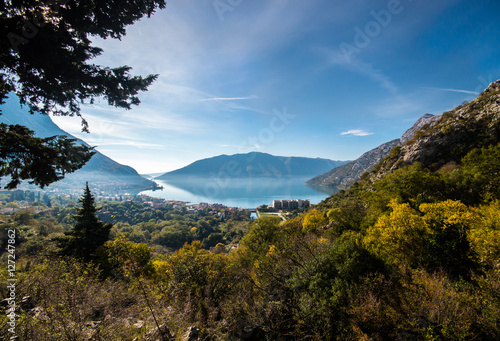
[[17, 200]]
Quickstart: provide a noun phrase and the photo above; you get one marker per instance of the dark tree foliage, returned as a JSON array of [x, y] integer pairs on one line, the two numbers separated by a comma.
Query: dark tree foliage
[[484, 164], [44, 160], [89, 232], [46, 49]]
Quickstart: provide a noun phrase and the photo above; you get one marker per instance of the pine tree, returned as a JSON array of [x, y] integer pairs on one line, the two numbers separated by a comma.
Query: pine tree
[[89, 232]]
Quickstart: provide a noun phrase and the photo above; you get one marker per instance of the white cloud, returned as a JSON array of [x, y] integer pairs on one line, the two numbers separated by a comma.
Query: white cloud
[[127, 143], [229, 98], [455, 90], [356, 132]]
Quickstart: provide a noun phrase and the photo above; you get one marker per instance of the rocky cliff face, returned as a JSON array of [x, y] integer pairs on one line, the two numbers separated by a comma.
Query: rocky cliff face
[[345, 175], [452, 136], [426, 120]]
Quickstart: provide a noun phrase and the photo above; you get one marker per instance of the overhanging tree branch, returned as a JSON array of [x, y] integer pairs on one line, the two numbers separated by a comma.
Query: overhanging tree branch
[[43, 160], [45, 58]]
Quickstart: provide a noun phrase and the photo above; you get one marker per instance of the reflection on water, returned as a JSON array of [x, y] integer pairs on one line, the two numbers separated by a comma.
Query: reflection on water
[[247, 193]]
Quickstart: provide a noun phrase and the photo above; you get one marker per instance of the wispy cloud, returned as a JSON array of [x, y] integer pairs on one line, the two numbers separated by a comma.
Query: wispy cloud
[[455, 90], [127, 143], [356, 132], [229, 98], [401, 105], [376, 75], [336, 58]]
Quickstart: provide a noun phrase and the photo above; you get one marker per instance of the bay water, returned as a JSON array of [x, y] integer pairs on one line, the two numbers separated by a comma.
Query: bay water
[[243, 193]]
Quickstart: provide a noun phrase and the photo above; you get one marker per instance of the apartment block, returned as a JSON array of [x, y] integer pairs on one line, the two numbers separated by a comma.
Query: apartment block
[[291, 204]]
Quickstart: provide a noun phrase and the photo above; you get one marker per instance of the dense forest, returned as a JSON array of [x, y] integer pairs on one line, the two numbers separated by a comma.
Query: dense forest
[[163, 227]]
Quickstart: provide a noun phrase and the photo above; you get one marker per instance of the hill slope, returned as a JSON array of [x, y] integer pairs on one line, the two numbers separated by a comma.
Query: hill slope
[[253, 165], [101, 171], [345, 175], [452, 136]]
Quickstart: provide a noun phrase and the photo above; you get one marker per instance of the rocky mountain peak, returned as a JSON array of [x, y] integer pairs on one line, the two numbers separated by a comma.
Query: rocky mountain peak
[[451, 135], [427, 119]]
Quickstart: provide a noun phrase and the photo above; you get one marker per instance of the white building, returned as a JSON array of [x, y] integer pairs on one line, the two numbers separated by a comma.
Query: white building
[[291, 204]]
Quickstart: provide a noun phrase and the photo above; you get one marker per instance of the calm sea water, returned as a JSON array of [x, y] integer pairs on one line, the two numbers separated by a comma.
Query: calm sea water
[[245, 193]]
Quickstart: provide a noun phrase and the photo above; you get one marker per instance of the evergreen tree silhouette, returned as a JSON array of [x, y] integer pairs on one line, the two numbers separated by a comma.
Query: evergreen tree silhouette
[[89, 232]]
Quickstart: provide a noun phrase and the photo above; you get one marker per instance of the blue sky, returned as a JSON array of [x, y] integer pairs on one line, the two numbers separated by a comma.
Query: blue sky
[[316, 78]]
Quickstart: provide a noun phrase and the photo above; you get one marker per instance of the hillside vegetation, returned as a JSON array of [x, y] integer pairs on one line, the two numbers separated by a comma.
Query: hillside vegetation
[[410, 252]]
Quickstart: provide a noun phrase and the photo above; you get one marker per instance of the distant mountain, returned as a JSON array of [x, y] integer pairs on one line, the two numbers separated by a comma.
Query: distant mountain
[[345, 175], [253, 165], [101, 171]]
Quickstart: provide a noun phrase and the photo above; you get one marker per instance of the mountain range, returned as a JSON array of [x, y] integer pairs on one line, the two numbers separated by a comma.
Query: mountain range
[[101, 171], [253, 165]]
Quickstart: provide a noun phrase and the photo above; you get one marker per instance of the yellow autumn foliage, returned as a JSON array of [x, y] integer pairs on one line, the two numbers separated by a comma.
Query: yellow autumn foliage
[[484, 234], [399, 236], [314, 220], [403, 236], [447, 213]]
